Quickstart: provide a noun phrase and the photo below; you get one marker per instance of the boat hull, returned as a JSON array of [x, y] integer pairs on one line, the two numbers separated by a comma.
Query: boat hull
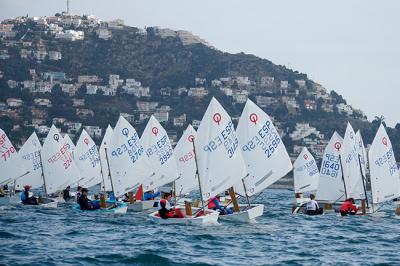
[[246, 214], [211, 217], [47, 203], [121, 208], [139, 206]]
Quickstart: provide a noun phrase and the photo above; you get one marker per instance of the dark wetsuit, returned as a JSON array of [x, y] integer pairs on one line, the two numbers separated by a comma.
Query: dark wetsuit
[[87, 205]]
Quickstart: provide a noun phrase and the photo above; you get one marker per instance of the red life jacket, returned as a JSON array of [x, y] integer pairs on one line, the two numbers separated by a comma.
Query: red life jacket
[[348, 206]]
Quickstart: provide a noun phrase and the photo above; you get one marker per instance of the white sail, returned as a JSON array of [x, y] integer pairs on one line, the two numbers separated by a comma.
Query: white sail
[[220, 161], [263, 151], [305, 172], [59, 168], [70, 144], [88, 160], [184, 153], [362, 153], [159, 150], [351, 165], [330, 184], [106, 182], [128, 161], [10, 162], [30, 155], [385, 182]]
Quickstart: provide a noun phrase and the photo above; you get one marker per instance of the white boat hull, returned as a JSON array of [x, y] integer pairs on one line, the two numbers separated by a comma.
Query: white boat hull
[[122, 208], [47, 203], [211, 217], [139, 206], [246, 214]]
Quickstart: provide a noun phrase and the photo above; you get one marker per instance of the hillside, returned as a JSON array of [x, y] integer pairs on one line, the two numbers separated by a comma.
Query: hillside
[[176, 70]]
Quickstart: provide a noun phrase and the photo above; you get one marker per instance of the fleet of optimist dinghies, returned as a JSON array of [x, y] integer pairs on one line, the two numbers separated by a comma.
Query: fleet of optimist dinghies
[[215, 159]]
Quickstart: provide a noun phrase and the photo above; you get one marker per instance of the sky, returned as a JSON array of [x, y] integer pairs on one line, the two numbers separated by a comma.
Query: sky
[[352, 47]]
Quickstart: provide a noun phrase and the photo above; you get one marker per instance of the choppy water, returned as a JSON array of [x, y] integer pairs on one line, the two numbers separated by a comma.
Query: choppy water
[[65, 237]]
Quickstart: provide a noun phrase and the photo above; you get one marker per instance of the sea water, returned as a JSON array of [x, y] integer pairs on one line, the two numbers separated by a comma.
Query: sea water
[[63, 236]]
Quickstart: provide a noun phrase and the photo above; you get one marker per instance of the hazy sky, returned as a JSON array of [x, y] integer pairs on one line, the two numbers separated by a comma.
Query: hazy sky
[[350, 46]]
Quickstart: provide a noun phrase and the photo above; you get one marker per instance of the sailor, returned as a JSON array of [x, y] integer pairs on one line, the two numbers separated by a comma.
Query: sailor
[[78, 193], [164, 208], [213, 204], [151, 195], [66, 194], [348, 207], [312, 207], [26, 200], [85, 203]]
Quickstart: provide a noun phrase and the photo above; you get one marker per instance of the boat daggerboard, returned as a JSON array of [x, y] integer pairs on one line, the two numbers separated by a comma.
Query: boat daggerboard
[[159, 151], [351, 165], [106, 182], [59, 168], [305, 172], [220, 161], [30, 157], [263, 151], [330, 184], [362, 153], [87, 159], [128, 161], [385, 182], [184, 154], [10, 162]]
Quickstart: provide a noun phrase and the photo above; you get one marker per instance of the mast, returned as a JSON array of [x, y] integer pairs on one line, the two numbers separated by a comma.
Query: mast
[[341, 168], [44, 180], [109, 175], [245, 191], [198, 175], [102, 175], [363, 180]]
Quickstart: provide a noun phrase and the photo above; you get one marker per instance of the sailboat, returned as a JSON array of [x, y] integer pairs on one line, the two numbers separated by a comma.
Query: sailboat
[[11, 167], [105, 172], [160, 154], [30, 155], [305, 173], [220, 162], [88, 160], [354, 182], [127, 161], [187, 180], [58, 165], [331, 188], [263, 151], [385, 182]]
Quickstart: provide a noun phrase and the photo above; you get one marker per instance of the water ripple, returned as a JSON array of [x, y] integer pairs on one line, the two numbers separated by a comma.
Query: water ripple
[[33, 236]]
